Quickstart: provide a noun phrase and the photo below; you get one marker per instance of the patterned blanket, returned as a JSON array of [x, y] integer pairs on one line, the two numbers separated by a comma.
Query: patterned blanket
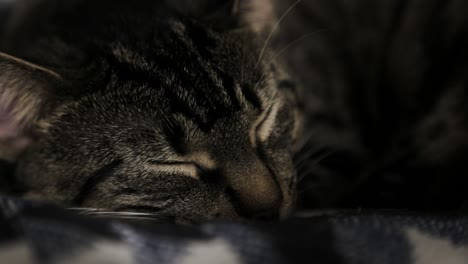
[[37, 233]]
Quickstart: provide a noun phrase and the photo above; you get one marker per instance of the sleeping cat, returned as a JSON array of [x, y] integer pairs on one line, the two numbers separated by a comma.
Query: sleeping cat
[[171, 107], [188, 109]]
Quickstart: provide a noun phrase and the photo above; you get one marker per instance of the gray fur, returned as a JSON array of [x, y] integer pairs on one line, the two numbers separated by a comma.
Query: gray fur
[[154, 112]]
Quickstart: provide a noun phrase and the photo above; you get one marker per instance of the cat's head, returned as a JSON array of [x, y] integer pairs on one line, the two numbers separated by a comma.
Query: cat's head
[[195, 121]]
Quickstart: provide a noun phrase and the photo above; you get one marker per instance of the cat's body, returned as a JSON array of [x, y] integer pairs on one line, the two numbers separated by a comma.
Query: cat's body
[[388, 98], [175, 108]]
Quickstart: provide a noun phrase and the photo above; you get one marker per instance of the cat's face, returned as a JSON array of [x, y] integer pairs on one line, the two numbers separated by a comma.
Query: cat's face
[[195, 125]]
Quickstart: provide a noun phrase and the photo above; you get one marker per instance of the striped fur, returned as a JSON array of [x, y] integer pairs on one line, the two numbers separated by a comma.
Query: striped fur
[[387, 100], [161, 110]]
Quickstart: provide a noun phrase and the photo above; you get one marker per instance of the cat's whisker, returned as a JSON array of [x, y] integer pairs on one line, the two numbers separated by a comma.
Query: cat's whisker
[[304, 166], [122, 215], [305, 140], [83, 209], [270, 36], [306, 145], [304, 148], [292, 43], [99, 211], [302, 174], [300, 161], [136, 218], [299, 165], [120, 212], [129, 217], [166, 120], [304, 155]]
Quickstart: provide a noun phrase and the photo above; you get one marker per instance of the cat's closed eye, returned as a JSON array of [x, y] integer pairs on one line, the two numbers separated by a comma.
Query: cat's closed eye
[[183, 168], [194, 168]]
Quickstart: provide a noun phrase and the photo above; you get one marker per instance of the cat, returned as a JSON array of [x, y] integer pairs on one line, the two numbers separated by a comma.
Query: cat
[[204, 109], [171, 107]]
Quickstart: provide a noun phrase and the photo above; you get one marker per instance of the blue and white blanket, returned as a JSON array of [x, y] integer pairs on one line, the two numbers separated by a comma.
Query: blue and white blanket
[[37, 233]]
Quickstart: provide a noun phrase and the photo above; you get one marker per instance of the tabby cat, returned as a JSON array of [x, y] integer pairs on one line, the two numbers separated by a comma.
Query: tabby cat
[[202, 109], [171, 107]]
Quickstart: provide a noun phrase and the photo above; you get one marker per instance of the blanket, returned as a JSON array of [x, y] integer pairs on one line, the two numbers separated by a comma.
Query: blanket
[[32, 232]]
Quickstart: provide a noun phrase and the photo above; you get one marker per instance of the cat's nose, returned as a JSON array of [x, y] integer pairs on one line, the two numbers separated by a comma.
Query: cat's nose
[[257, 195]]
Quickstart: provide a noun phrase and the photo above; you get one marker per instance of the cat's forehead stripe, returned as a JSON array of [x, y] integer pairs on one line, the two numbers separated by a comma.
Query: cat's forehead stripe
[[218, 92], [234, 92]]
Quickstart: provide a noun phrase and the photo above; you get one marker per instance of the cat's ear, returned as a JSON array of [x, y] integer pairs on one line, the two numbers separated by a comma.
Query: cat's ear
[[258, 15], [26, 93]]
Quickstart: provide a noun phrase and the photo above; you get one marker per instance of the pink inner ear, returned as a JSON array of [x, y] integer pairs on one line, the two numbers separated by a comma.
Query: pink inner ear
[[7, 127], [11, 137]]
